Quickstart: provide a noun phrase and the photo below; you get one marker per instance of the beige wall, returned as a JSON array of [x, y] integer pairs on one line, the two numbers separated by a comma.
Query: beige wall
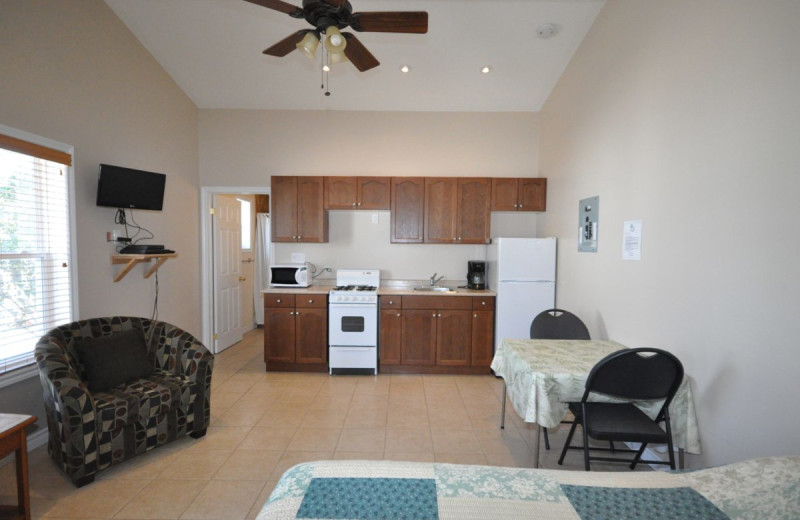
[[72, 72], [685, 114], [244, 148]]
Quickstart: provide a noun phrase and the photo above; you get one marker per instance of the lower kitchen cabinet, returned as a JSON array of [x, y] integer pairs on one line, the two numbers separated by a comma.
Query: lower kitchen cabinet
[[390, 331], [419, 337], [436, 334], [296, 332], [482, 337], [454, 338]]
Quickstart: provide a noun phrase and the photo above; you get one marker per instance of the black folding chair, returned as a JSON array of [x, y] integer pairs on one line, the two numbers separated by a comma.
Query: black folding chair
[[639, 374], [557, 324]]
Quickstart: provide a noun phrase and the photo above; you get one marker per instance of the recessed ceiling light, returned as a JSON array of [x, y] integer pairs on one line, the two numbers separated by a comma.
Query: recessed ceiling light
[[405, 68], [546, 30], [486, 69], [326, 68]]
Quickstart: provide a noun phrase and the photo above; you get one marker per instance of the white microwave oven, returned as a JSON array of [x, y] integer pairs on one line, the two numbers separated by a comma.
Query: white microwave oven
[[288, 275]]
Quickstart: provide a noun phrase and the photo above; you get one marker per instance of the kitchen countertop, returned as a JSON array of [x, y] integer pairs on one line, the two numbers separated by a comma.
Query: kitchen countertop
[[314, 289], [409, 291], [382, 291]]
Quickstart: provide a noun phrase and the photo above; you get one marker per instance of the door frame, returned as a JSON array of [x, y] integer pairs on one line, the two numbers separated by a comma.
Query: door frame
[[208, 307]]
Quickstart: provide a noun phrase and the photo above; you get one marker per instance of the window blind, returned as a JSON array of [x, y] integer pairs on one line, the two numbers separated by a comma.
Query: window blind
[[35, 281]]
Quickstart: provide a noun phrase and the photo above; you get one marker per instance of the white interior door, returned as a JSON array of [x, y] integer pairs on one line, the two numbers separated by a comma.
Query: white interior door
[[227, 272]]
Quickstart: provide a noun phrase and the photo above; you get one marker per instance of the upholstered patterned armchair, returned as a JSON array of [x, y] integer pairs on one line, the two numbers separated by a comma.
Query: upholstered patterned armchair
[[90, 431]]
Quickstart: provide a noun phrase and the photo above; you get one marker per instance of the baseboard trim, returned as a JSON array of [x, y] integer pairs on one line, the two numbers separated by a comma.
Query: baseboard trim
[[35, 440]]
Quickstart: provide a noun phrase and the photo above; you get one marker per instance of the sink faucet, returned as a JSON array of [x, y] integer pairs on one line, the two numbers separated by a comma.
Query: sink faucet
[[435, 280]]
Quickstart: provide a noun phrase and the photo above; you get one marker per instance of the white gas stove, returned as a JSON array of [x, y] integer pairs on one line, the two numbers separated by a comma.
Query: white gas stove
[[353, 320]]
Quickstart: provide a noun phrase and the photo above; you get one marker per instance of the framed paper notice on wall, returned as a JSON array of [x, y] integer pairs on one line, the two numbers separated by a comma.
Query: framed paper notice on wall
[[588, 215], [632, 240]]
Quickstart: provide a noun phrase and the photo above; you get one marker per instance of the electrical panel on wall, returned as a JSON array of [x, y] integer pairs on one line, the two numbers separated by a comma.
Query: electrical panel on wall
[[588, 213]]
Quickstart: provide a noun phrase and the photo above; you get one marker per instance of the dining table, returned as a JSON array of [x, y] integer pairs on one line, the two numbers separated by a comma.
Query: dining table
[[542, 376]]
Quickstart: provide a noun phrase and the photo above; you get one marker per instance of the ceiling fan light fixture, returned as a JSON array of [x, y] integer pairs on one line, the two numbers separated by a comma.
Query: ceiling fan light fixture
[[308, 45], [334, 41], [338, 57]]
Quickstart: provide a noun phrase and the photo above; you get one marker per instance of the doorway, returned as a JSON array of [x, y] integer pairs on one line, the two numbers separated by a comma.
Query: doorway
[[236, 250]]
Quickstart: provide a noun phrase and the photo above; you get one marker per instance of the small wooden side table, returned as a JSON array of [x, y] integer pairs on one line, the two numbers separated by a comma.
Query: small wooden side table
[[13, 439]]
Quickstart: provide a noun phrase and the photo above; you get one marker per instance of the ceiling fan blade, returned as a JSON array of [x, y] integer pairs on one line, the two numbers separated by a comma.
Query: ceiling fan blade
[[287, 45], [280, 5], [390, 21], [358, 54]]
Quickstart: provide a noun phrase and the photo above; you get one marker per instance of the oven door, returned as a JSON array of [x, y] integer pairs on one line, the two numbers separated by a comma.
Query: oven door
[[353, 325]]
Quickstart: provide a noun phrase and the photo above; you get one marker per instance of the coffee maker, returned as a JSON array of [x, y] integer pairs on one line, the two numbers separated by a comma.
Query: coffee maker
[[476, 274]]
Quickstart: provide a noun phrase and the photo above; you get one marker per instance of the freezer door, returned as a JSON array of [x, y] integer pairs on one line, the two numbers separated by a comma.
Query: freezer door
[[517, 304], [526, 259]]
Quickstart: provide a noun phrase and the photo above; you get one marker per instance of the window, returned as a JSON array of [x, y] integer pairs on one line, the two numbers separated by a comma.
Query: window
[[35, 253], [247, 217]]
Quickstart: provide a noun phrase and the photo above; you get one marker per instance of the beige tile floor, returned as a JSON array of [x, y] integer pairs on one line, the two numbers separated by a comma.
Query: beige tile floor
[[263, 423]]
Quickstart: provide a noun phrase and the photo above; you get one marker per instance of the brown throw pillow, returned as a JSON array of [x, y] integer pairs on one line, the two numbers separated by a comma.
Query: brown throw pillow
[[111, 360]]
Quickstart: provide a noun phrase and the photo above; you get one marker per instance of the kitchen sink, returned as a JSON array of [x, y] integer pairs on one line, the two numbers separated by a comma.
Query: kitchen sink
[[428, 288]]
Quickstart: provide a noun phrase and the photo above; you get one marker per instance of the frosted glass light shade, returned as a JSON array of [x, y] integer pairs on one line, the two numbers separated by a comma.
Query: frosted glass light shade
[[334, 41], [308, 45], [338, 57]]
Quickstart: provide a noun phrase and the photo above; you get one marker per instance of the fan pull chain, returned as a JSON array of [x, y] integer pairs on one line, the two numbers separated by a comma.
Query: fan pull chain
[[325, 70]]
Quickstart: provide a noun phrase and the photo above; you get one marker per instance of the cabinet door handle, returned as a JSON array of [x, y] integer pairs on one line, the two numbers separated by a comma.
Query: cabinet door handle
[[359, 203], [483, 303], [434, 314], [354, 204], [459, 239], [474, 315], [438, 315], [297, 313], [278, 300], [391, 302], [310, 301], [291, 313], [299, 237], [398, 314]]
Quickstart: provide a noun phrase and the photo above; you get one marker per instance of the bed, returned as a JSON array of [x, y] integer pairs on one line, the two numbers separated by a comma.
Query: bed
[[766, 488]]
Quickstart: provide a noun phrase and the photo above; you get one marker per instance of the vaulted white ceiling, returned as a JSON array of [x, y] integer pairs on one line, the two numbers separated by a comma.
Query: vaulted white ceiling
[[213, 50]]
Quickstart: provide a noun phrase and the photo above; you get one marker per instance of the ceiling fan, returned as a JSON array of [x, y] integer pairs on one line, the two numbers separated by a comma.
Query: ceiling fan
[[328, 17]]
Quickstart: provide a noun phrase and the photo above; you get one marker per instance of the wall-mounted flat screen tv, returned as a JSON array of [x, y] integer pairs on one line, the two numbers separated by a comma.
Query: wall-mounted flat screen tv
[[120, 187]]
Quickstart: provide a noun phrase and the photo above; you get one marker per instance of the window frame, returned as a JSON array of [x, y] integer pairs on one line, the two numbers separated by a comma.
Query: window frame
[[29, 370]]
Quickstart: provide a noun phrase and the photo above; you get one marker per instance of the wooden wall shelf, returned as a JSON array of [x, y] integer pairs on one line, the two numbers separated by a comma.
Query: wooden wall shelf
[[132, 260]]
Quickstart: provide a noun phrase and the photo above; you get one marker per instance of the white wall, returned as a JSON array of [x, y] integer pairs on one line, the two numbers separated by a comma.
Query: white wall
[[245, 148], [72, 72], [685, 114]]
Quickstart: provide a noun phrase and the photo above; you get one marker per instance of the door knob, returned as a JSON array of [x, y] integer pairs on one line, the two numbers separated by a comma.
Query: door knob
[[242, 278]]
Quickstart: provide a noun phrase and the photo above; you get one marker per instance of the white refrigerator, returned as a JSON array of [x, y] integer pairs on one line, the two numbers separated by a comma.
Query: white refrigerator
[[523, 273]]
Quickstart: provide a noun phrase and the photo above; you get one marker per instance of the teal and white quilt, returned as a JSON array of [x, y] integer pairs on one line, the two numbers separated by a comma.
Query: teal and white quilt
[[767, 488]]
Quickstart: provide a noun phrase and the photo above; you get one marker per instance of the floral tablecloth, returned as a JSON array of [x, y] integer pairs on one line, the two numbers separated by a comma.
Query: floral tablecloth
[[542, 376]]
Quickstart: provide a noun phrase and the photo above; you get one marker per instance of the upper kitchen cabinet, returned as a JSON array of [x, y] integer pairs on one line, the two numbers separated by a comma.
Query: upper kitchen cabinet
[[357, 192], [474, 210], [457, 210], [511, 194], [408, 206], [298, 213], [441, 208]]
